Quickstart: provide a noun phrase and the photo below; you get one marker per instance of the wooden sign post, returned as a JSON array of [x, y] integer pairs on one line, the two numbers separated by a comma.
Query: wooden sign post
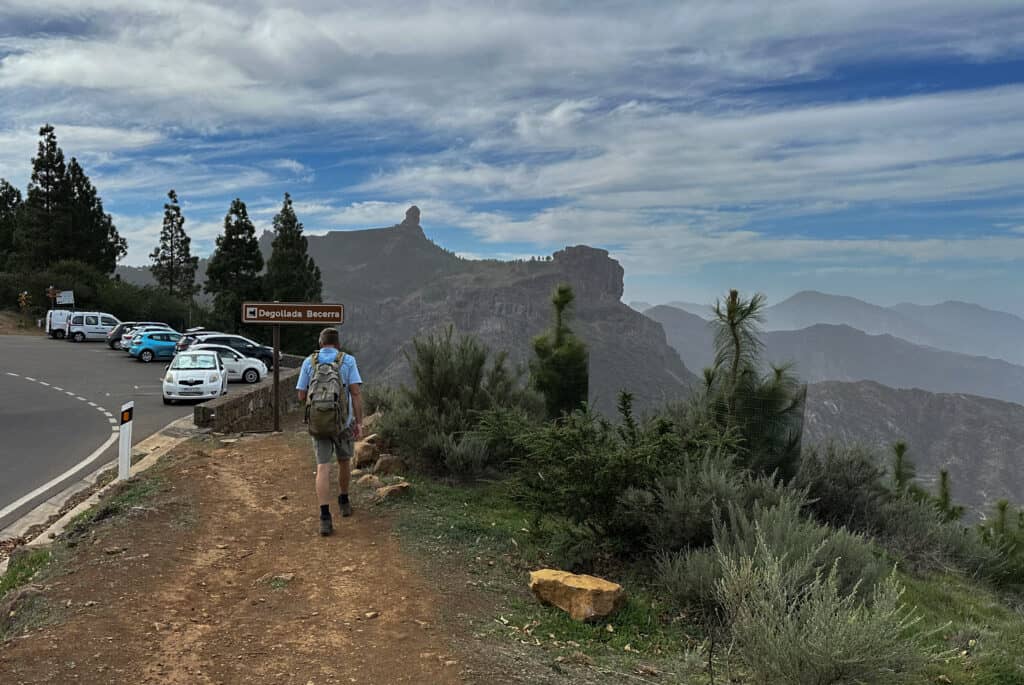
[[277, 313]]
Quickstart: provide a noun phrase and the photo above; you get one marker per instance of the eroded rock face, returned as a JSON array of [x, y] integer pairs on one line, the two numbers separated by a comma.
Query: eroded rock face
[[584, 598]]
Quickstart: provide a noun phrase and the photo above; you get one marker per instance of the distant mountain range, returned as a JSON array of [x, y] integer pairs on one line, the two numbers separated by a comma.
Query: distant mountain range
[[954, 326], [397, 284], [824, 352], [979, 440]]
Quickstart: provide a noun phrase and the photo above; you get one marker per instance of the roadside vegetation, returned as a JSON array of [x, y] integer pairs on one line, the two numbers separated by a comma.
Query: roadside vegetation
[[748, 557]]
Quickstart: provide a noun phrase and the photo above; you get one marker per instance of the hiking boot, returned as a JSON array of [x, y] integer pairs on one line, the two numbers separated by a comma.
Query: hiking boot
[[326, 527], [346, 508]]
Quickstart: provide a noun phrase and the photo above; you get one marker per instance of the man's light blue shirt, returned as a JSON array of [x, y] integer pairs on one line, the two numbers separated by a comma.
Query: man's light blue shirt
[[349, 374]]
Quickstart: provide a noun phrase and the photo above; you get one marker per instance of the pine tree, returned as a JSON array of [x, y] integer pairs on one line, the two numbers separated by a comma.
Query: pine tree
[[903, 472], [560, 369], [63, 216], [233, 274], [174, 267], [10, 208], [944, 500], [763, 408], [45, 228], [93, 237], [292, 275]]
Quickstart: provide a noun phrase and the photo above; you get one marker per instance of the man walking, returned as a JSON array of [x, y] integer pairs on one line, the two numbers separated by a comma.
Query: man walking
[[332, 373]]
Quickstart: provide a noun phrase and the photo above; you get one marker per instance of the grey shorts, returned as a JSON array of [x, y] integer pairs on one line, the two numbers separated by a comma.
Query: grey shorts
[[327, 450]]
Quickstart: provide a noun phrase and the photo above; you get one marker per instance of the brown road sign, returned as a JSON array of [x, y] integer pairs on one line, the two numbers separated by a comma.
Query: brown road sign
[[293, 312]]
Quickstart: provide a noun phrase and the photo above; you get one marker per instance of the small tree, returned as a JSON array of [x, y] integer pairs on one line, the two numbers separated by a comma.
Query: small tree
[[944, 500], [766, 410], [174, 267], [903, 471], [233, 274], [560, 369]]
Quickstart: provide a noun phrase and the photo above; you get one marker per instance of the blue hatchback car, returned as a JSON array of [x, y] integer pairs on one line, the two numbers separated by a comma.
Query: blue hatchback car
[[154, 345]]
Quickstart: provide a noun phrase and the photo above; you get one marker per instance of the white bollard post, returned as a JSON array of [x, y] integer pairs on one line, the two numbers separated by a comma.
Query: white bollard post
[[124, 452]]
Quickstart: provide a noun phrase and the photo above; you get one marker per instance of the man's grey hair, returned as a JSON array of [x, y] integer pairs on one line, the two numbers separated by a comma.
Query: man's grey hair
[[329, 336]]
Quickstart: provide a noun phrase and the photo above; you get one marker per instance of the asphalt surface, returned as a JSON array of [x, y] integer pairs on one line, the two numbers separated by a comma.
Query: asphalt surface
[[59, 402]]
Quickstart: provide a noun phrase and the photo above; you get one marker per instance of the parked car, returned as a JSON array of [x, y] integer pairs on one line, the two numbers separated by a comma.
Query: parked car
[[192, 334], [116, 337], [154, 345], [82, 326], [240, 344], [238, 367], [56, 322], [196, 375], [129, 337]]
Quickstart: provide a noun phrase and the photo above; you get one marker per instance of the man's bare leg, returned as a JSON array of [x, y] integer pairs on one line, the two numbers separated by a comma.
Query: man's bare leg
[[323, 483], [344, 475]]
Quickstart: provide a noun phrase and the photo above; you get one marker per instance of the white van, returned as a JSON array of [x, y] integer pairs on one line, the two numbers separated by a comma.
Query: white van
[[84, 326], [56, 322]]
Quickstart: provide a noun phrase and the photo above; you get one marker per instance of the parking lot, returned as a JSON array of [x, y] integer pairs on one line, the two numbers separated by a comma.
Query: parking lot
[[58, 403]]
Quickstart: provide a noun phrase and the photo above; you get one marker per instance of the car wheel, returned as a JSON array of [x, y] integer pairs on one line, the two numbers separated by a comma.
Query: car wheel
[[251, 376], [59, 335], [146, 356], [116, 345], [168, 401], [79, 337]]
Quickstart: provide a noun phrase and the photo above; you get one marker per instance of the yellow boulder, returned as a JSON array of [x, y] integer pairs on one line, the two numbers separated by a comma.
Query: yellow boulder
[[583, 597]]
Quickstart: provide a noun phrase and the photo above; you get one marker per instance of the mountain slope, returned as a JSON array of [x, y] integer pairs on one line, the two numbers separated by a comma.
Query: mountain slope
[[810, 307], [964, 326], [980, 440], [833, 352]]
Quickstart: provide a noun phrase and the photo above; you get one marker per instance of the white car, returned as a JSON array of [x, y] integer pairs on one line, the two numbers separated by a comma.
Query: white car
[[195, 376], [57, 322], [82, 326], [239, 367]]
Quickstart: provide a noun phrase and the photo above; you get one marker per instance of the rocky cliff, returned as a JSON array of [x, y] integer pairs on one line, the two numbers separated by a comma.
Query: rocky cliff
[[396, 283]]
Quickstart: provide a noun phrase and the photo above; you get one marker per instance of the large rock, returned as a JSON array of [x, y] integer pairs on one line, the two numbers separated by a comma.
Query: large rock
[[364, 454], [583, 597], [392, 491], [389, 465], [370, 481]]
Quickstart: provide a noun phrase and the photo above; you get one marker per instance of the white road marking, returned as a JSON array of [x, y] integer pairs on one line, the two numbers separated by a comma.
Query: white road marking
[[97, 453], [29, 378], [44, 383], [12, 374], [92, 404], [58, 389], [69, 393], [112, 420], [79, 397]]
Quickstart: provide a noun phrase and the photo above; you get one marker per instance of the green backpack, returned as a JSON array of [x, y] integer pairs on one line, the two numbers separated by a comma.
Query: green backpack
[[327, 398]]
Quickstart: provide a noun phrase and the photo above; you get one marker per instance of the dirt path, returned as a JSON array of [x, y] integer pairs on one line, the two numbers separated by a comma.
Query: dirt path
[[181, 589]]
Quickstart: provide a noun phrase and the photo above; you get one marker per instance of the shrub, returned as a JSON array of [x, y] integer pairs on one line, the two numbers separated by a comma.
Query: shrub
[[454, 381], [689, 577], [788, 630], [844, 485]]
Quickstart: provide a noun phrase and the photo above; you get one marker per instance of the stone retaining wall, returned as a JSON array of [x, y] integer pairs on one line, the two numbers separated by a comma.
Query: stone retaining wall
[[251, 407]]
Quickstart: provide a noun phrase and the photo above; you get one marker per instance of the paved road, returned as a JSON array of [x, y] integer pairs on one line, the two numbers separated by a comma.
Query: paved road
[[58, 403]]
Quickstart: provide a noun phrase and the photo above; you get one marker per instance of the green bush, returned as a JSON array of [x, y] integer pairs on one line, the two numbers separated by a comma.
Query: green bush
[[454, 382], [844, 485], [788, 630], [689, 577]]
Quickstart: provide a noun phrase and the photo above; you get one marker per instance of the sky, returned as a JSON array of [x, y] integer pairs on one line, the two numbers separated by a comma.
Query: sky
[[871, 148]]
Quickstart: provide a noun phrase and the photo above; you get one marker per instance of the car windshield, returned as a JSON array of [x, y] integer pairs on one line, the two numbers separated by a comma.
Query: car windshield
[[194, 361]]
